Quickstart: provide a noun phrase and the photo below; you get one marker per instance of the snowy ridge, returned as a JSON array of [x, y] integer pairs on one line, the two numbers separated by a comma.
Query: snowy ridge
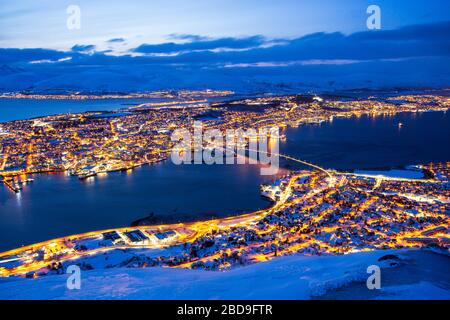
[[293, 277]]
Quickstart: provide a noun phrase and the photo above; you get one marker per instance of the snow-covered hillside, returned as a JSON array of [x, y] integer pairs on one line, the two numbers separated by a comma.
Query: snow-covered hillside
[[318, 78], [405, 274]]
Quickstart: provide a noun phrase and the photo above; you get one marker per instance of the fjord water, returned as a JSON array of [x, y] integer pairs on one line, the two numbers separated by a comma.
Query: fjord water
[[21, 109], [59, 205], [373, 142]]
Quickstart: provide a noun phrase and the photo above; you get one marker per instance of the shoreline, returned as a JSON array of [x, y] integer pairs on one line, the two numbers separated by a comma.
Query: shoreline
[[289, 126], [239, 216], [149, 163], [273, 205]]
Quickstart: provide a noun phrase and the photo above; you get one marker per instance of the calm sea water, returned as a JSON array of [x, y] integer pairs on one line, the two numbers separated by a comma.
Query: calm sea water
[[59, 205], [19, 109], [373, 142]]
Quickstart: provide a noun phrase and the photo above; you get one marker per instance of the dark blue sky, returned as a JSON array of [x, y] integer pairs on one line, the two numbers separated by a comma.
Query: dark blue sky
[[144, 45], [42, 24]]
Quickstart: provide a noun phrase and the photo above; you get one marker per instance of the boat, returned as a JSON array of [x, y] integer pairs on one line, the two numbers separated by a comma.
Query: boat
[[86, 175], [25, 181]]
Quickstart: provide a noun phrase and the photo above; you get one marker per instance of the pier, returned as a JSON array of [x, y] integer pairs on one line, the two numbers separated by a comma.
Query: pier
[[11, 186]]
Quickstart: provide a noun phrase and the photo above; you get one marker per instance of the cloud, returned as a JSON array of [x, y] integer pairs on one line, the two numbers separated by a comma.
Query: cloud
[[198, 44], [51, 61], [324, 48], [414, 41], [311, 62], [116, 40], [187, 37], [13, 55], [88, 48], [383, 56]]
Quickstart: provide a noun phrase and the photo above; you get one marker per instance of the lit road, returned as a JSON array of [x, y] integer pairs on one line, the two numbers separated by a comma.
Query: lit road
[[186, 232]]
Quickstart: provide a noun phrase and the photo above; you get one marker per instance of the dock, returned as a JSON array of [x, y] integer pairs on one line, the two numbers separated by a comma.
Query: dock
[[11, 186]]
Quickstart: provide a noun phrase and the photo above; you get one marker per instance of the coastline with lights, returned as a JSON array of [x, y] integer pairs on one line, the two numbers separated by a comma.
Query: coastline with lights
[[315, 212], [91, 143]]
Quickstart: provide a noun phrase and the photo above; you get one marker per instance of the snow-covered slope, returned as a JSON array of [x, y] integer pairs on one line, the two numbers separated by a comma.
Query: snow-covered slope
[[411, 73], [417, 274]]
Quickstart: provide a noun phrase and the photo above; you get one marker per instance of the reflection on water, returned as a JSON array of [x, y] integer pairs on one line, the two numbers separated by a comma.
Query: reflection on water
[[58, 205], [372, 142], [20, 109]]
